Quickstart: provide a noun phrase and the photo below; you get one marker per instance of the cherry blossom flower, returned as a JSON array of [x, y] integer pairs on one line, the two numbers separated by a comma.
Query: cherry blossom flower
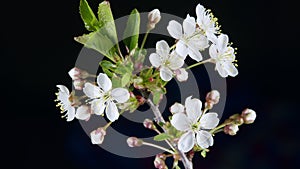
[[64, 99], [190, 41], [165, 61], [104, 96], [194, 123], [223, 55], [207, 22]]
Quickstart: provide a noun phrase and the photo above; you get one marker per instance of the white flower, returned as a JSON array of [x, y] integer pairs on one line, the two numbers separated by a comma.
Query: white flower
[[104, 97], [97, 136], [190, 41], [223, 55], [65, 103], [193, 123], [83, 113], [206, 22], [166, 62]]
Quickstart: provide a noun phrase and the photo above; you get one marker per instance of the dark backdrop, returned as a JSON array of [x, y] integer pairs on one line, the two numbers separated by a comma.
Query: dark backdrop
[[38, 49]]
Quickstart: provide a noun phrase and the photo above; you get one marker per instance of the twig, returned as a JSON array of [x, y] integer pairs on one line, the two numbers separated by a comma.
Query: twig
[[158, 117]]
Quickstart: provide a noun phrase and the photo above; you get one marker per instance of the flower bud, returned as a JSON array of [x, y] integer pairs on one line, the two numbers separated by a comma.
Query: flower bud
[[78, 84], [213, 97], [140, 99], [76, 73], [97, 136], [181, 75], [134, 142], [159, 162], [149, 124], [249, 116], [231, 129], [153, 18]]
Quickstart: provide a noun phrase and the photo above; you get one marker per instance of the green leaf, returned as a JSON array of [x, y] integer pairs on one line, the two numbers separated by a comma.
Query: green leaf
[[108, 72], [99, 42], [106, 21], [105, 64], [177, 167], [87, 15], [131, 33], [116, 81], [161, 137], [125, 79]]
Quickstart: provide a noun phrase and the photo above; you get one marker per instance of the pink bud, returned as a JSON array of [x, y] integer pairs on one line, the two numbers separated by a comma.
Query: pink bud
[[249, 116], [134, 142], [97, 136], [149, 124], [181, 75], [159, 161], [213, 97], [231, 129], [153, 18], [76, 73]]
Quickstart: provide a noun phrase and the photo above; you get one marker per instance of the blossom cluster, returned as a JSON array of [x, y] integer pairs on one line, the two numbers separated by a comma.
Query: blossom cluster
[[125, 83]]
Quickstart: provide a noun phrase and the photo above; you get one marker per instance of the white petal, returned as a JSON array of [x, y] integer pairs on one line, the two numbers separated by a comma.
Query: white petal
[[181, 122], [186, 141], [162, 49], [204, 139], [181, 48], [194, 54], [177, 108], [176, 61], [193, 108], [189, 25], [121, 95], [231, 69], [92, 91], [199, 41], [111, 111], [97, 106], [209, 121], [70, 113], [104, 82], [200, 12], [182, 75], [83, 113], [63, 89], [222, 43], [166, 74], [155, 60], [221, 70], [175, 30], [213, 51], [212, 37]]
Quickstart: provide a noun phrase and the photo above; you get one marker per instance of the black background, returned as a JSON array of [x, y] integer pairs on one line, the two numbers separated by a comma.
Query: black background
[[38, 50]]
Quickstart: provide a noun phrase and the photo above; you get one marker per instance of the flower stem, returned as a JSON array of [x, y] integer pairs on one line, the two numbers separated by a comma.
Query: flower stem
[[197, 64], [158, 147], [158, 116], [217, 128], [144, 40]]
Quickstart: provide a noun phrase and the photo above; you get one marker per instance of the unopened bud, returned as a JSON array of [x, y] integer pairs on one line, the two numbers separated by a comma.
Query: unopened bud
[[153, 18], [249, 116], [97, 136], [159, 162], [78, 84], [213, 97], [134, 142], [149, 124], [231, 129], [140, 99], [76, 73]]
